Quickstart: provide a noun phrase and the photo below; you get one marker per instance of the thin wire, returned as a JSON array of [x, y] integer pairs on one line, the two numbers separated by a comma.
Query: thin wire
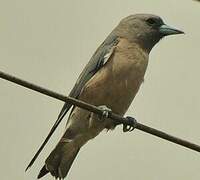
[[94, 109]]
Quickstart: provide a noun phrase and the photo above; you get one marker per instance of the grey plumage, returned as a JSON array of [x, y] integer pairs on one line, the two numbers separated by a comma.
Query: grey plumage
[[95, 63], [113, 83]]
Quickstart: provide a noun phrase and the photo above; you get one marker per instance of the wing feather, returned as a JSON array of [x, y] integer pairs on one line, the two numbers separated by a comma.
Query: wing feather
[[99, 59]]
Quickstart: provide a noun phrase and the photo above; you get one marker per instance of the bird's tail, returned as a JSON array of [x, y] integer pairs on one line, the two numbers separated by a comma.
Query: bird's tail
[[60, 160]]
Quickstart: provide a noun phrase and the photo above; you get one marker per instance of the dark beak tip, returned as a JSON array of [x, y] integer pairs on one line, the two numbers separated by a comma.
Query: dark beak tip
[[181, 32]]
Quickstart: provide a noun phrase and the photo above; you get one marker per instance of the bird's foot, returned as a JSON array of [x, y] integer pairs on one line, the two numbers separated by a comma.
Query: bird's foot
[[105, 112], [132, 122]]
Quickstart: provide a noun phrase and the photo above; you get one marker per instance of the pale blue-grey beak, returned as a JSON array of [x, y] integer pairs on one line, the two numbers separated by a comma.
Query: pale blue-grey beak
[[166, 30]]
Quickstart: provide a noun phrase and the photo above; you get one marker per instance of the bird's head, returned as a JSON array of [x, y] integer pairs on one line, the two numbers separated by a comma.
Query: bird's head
[[144, 29]]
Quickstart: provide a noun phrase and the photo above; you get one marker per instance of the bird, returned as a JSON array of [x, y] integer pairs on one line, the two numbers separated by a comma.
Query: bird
[[110, 80]]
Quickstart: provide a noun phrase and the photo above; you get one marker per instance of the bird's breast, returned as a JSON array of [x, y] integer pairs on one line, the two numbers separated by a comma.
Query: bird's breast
[[117, 82]]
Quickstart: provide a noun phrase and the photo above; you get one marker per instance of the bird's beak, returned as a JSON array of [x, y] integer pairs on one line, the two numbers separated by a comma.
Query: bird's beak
[[166, 30]]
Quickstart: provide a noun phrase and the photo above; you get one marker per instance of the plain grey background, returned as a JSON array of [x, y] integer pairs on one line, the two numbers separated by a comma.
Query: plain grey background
[[48, 42]]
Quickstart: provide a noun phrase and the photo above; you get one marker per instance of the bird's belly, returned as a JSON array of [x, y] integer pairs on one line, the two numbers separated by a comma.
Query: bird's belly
[[114, 94], [114, 85], [116, 91]]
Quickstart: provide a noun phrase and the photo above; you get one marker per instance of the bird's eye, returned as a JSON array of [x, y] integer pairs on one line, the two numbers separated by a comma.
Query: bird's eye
[[151, 21]]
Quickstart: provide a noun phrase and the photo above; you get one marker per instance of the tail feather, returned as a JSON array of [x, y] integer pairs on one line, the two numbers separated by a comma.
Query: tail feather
[[64, 110], [43, 172], [60, 160], [65, 165]]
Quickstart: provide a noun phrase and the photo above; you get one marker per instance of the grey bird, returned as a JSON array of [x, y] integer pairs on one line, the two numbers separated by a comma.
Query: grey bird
[[110, 80]]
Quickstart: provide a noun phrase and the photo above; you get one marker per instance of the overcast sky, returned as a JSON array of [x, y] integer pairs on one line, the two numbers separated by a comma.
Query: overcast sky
[[48, 42]]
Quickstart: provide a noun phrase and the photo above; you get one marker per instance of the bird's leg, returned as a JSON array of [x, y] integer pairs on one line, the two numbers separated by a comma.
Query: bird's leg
[[105, 112], [132, 122]]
